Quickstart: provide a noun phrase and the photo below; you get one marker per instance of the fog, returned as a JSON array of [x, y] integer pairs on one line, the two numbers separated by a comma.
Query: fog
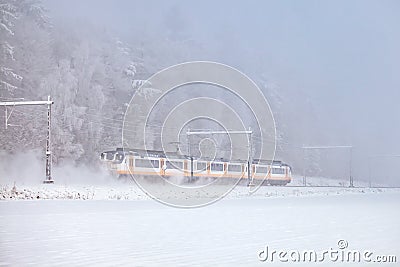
[[329, 69], [28, 168]]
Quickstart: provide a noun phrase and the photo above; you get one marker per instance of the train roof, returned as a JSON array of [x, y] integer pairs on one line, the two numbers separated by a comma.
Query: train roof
[[268, 161], [148, 152], [176, 155], [111, 151]]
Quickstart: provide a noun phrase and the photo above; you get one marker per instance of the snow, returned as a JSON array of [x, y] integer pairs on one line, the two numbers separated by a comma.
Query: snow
[[228, 233], [108, 188], [115, 223], [130, 191]]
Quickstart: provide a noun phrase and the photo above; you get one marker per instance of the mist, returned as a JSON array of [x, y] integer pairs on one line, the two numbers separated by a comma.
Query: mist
[[328, 69], [28, 168], [253, 132]]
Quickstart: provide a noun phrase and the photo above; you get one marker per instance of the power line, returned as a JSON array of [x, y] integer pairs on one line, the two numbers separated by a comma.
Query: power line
[[111, 125], [48, 103]]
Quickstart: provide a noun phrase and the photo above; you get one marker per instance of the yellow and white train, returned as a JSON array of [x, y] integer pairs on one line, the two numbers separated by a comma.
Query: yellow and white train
[[156, 164]]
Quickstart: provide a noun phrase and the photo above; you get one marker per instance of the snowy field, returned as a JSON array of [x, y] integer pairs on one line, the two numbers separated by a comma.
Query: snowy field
[[109, 188], [230, 232]]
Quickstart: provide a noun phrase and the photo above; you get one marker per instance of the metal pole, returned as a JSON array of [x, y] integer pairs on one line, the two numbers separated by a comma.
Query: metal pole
[[188, 143], [48, 140], [217, 132], [49, 179], [250, 174], [304, 167], [191, 169], [369, 172], [24, 103], [6, 117], [351, 168], [189, 155]]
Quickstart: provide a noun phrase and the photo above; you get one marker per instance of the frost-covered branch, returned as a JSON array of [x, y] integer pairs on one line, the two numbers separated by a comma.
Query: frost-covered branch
[[8, 86], [6, 28], [8, 50], [8, 12], [9, 72], [130, 70]]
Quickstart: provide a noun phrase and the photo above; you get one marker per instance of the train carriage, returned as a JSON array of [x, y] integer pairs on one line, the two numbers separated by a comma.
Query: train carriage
[[156, 165]]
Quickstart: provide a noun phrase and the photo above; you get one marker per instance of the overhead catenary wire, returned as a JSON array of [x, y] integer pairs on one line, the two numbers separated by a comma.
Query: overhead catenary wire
[[117, 125], [48, 103], [151, 126]]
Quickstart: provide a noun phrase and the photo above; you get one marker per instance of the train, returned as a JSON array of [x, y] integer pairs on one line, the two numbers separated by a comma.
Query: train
[[154, 165]]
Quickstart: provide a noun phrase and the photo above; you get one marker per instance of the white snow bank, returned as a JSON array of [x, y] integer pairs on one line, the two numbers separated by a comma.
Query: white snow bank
[[132, 192]]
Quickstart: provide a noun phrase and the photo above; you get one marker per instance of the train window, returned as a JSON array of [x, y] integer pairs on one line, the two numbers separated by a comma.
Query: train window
[[175, 165], [119, 157], [201, 166], [155, 163], [278, 171], [261, 169], [146, 163], [234, 168], [217, 167]]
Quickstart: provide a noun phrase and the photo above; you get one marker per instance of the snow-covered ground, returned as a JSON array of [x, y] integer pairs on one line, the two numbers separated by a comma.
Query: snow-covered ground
[[116, 224], [128, 190], [231, 232], [132, 192]]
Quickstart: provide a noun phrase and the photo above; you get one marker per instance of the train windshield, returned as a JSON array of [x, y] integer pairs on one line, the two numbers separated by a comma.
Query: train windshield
[[119, 157], [107, 155], [113, 156], [276, 170]]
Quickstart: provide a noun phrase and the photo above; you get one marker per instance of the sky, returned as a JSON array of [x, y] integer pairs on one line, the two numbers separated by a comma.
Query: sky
[[344, 55]]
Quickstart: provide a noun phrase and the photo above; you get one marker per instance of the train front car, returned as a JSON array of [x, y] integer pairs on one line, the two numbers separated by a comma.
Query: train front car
[[275, 173], [113, 161], [280, 174]]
